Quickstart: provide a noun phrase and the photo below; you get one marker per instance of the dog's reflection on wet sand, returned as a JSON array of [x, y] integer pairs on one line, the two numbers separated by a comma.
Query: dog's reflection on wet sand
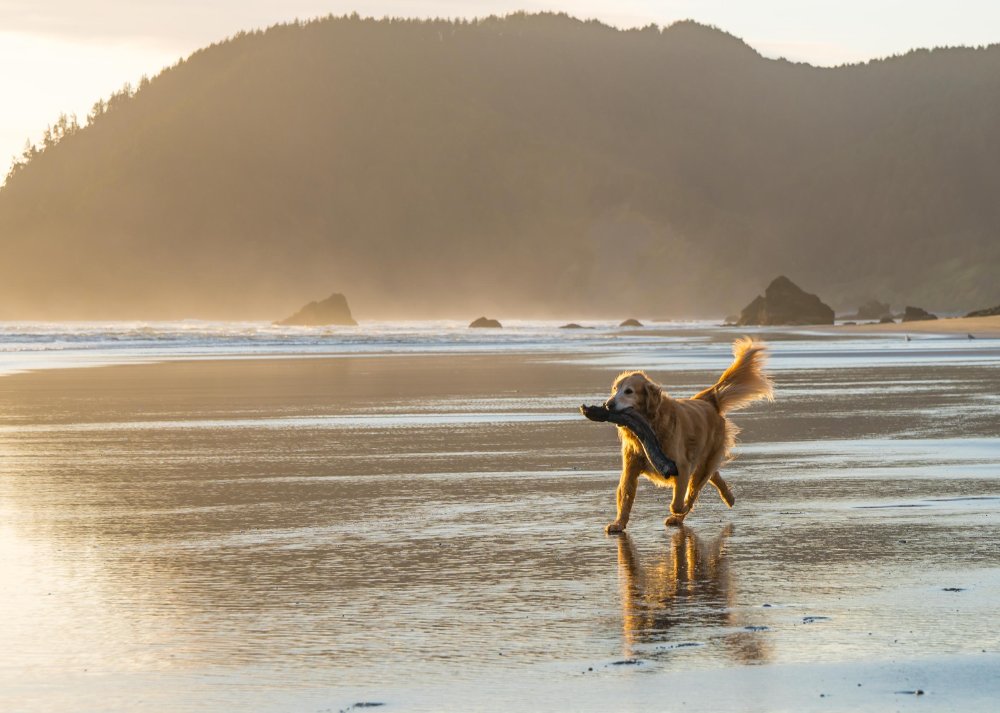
[[685, 590]]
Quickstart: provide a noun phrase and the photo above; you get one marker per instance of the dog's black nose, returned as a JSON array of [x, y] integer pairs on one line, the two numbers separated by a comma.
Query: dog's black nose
[[610, 405]]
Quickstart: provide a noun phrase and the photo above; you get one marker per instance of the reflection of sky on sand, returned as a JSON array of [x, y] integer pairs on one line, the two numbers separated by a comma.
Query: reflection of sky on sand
[[448, 549], [352, 423], [807, 354], [881, 457]]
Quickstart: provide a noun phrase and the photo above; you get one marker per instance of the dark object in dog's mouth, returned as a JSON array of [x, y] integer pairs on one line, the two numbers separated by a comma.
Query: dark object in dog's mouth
[[640, 428]]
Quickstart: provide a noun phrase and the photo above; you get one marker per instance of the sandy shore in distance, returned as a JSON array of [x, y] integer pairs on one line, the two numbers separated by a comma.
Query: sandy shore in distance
[[426, 532], [979, 327]]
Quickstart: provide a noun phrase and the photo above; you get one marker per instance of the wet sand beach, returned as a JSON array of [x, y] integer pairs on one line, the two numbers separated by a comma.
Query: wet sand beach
[[978, 327], [426, 532]]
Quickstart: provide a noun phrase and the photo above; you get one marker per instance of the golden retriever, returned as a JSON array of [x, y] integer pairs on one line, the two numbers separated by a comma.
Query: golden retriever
[[694, 432]]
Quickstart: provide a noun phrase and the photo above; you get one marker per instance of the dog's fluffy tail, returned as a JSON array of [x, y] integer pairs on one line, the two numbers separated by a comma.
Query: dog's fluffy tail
[[744, 381]]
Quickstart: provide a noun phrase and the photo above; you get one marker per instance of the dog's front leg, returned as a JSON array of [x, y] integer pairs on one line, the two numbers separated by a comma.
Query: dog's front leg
[[632, 464], [678, 506]]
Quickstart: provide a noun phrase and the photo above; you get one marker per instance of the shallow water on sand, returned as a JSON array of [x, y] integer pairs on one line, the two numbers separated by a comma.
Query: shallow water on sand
[[233, 535]]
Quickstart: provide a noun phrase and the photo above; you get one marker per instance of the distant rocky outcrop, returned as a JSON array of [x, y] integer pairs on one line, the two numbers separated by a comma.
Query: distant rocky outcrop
[[631, 323], [485, 323], [332, 310], [916, 314], [784, 302], [990, 312], [572, 325], [873, 309]]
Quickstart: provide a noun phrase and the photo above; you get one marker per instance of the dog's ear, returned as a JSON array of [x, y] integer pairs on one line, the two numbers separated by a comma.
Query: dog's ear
[[652, 393]]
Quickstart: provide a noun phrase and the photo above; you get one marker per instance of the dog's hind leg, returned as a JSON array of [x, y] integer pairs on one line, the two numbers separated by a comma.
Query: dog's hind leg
[[678, 506], [701, 477], [723, 487]]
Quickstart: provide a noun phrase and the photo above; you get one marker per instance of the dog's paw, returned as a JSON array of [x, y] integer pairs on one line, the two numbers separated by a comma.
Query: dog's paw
[[674, 521], [613, 528]]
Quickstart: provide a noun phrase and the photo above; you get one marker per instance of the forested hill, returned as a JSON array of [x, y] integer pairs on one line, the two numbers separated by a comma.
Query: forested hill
[[527, 165]]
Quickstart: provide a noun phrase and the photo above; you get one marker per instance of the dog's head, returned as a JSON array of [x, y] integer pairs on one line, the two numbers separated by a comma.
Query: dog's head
[[633, 389]]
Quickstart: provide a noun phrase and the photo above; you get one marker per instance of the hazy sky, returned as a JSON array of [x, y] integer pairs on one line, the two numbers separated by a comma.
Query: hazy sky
[[62, 55]]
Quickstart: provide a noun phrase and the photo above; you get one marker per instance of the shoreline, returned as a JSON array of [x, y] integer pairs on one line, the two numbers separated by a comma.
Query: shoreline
[[978, 327], [55, 351]]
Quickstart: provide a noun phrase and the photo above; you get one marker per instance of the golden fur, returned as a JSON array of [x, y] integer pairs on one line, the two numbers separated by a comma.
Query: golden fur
[[694, 432]]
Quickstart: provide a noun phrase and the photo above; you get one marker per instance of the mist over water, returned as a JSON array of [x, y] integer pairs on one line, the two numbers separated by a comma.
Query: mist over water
[[534, 164], [37, 345], [41, 345]]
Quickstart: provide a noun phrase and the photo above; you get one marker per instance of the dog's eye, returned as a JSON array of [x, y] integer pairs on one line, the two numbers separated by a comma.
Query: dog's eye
[[628, 391]]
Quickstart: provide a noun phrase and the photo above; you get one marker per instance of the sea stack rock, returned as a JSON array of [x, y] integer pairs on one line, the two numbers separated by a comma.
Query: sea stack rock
[[572, 325], [485, 323], [916, 314], [631, 323], [332, 310], [784, 302]]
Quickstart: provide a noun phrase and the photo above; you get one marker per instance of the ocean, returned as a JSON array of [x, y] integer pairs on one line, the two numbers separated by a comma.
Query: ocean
[[690, 345]]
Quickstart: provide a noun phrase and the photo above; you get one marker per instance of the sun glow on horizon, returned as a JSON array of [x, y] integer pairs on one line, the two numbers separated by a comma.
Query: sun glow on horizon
[[60, 75]]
